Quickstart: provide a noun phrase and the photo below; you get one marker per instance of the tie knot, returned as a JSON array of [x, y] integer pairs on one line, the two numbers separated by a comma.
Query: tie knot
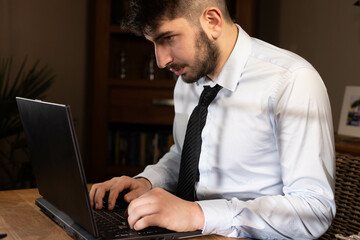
[[208, 95]]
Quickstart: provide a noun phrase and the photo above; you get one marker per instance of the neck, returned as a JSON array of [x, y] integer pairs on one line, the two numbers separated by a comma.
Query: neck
[[226, 43]]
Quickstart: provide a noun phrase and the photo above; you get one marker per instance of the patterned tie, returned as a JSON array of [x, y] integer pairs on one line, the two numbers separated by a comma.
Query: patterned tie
[[189, 167]]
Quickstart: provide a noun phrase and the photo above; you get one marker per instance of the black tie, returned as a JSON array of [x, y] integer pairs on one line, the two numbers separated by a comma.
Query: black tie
[[189, 167]]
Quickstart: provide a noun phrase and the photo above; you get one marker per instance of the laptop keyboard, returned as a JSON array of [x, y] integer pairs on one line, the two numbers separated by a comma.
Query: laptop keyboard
[[112, 224]]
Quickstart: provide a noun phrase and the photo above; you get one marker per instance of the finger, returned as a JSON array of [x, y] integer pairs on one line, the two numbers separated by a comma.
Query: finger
[[98, 197], [92, 194], [148, 221], [149, 197], [96, 194], [100, 193], [126, 183], [118, 185], [139, 201], [132, 195], [138, 188], [140, 212], [101, 189], [113, 195]]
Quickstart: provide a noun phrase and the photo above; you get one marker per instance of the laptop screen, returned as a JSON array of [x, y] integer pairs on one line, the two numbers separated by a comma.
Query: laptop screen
[[56, 159]]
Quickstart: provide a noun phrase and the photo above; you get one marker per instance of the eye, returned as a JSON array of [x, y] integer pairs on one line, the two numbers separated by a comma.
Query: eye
[[169, 38], [166, 40]]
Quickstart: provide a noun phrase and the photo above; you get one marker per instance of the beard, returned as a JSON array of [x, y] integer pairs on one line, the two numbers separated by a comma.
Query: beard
[[206, 59]]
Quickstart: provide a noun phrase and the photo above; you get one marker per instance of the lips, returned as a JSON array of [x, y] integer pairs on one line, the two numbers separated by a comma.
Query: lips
[[177, 69], [177, 72]]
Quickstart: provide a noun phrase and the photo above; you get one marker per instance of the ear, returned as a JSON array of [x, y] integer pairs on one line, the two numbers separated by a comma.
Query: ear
[[212, 22]]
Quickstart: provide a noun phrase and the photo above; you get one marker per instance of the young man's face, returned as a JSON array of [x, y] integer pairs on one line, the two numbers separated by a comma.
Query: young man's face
[[183, 49]]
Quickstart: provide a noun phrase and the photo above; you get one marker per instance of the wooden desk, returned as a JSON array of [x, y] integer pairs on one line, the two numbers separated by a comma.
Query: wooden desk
[[20, 218]]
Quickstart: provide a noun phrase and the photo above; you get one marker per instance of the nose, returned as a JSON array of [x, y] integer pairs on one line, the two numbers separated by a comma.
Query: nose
[[163, 56]]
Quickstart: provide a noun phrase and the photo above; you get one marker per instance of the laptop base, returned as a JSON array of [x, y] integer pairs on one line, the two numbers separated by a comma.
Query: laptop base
[[63, 220]]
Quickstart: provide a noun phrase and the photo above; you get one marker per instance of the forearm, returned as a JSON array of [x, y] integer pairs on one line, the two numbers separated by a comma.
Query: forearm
[[269, 217]]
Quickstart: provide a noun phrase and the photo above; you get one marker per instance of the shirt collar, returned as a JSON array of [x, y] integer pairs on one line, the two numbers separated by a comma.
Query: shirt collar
[[234, 66]]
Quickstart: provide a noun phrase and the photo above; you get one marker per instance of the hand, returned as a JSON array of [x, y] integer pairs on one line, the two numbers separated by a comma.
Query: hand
[[158, 207], [136, 187]]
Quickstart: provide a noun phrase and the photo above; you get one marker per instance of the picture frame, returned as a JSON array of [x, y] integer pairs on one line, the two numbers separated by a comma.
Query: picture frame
[[349, 123]]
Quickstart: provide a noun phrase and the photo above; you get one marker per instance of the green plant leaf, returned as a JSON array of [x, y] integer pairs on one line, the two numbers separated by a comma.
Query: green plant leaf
[[31, 83]]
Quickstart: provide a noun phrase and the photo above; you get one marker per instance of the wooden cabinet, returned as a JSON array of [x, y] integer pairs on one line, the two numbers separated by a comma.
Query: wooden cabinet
[[143, 102], [130, 100], [348, 145]]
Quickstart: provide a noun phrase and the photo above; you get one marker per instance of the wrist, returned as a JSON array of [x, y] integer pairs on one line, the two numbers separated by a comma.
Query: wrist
[[199, 217], [145, 182]]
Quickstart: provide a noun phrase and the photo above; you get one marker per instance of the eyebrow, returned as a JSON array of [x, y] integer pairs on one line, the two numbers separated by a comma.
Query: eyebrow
[[161, 35]]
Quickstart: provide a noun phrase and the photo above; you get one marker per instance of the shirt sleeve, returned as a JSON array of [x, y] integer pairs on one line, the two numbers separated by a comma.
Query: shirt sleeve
[[304, 134]]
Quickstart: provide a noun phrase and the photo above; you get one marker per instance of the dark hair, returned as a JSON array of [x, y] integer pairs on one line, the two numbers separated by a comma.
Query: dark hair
[[143, 16]]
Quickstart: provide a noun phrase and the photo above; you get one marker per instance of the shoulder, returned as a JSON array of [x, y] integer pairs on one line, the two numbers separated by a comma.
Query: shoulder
[[268, 54]]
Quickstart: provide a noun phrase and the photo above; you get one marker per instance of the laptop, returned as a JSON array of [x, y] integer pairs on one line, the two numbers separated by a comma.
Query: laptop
[[61, 180]]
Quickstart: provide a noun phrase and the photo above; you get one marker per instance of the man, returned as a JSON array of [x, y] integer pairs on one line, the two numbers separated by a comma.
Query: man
[[266, 168]]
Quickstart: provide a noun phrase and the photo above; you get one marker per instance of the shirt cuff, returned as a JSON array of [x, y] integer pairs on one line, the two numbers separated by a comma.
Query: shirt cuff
[[217, 215]]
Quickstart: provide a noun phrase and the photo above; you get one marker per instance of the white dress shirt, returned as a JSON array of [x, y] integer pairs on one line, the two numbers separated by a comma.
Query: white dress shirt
[[267, 164]]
